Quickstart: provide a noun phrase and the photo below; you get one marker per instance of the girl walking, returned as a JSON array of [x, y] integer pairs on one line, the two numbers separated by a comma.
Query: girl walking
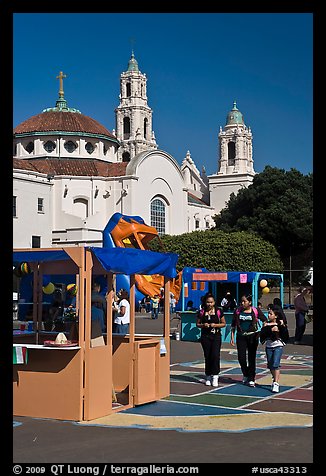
[[211, 320], [244, 322], [275, 335]]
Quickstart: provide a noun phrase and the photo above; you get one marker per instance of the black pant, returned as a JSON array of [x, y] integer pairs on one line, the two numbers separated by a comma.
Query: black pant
[[247, 344], [211, 345], [300, 326]]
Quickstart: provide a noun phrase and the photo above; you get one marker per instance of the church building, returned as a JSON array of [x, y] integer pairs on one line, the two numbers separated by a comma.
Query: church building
[[71, 174]]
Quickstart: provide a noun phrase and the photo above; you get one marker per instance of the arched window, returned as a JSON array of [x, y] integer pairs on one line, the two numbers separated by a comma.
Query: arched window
[[126, 157], [158, 220], [128, 89], [145, 128], [126, 128], [80, 207], [231, 153]]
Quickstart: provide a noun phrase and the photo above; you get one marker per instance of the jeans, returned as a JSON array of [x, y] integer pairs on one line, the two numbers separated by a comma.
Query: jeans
[[300, 325], [121, 328], [274, 355], [154, 312]]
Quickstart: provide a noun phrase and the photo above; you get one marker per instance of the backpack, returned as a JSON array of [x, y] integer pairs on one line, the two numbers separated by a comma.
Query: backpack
[[257, 323]]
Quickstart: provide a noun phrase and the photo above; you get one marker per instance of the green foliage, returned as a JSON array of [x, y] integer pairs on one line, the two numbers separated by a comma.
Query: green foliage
[[278, 206], [220, 251]]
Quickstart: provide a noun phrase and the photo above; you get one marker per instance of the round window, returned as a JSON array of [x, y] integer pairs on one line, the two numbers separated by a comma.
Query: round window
[[49, 146], [89, 147], [70, 146]]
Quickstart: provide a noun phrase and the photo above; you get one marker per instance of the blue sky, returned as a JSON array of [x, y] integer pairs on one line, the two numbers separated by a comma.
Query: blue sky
[[196, 64]]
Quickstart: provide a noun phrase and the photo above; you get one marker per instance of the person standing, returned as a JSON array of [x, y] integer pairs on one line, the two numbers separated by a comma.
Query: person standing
[[155, 300], [300, 310], [245, 324], [274, 334], [122, 316], [228, 303], [211, 320]]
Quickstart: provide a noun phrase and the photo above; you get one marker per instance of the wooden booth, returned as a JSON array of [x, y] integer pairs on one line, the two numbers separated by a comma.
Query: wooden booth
[[97, 374]]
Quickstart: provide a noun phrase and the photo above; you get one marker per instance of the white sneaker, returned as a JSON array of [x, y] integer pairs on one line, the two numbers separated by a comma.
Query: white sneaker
[[208, 380], [275, 387], [215, 381], [251, 383]]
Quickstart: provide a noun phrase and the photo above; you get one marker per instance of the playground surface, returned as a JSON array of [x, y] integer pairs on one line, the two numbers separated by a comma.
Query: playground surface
[[196, 419]]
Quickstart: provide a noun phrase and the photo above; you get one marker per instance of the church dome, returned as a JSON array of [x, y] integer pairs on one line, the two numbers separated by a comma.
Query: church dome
[[60, 121], [234, 117]]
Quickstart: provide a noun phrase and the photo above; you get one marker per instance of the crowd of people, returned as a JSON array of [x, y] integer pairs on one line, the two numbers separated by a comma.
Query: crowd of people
[[249, 328]]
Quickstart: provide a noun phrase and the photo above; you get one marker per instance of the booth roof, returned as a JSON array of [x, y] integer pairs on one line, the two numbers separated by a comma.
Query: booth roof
[[116, 260]]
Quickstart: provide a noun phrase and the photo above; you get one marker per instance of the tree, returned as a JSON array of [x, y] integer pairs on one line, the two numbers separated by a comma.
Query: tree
[[220, 251], [278, 207]]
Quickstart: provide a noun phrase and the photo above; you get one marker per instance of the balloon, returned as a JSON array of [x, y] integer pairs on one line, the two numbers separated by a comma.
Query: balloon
[[25, 268], [72, 289], [265, 290], [49, 288], [263, 283]]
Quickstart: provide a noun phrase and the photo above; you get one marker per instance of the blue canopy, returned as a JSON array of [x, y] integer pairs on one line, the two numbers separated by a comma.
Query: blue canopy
[[134, 261], [116, 260]]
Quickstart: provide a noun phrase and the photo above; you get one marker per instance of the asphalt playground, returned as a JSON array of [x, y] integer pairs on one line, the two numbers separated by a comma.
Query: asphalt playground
[[232, 423]]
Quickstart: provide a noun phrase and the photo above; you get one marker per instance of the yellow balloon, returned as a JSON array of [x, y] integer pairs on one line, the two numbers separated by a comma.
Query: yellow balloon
[[72, 289], [49, 288], [263, 283], [265, 290]]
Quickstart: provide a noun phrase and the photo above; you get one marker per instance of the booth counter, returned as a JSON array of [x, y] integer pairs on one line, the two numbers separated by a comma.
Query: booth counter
[[79, 382]]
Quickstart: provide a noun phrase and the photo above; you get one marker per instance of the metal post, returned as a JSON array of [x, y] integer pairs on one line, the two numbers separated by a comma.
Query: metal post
[[290, 282]]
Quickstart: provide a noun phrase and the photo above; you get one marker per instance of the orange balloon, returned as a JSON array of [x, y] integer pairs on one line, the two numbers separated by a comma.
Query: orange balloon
[[263, 283]]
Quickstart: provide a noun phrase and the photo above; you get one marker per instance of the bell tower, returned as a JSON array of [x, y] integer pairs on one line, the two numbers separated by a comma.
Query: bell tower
[[133, 115], [235, 165], [235, 144]]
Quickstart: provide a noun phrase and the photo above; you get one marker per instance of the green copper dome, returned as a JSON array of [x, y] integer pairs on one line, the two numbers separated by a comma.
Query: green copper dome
[[133, 65], [234, 116]]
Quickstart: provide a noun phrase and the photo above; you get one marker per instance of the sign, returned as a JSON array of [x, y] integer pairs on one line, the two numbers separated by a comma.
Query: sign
[[209, 276], [243, 278]]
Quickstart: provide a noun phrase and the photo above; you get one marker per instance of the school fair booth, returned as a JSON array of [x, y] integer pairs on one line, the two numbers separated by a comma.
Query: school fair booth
[[93, 373], [198, 281]]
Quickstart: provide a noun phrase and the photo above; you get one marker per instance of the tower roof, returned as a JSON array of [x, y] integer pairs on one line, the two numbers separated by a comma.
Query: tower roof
[[234, 116], [133, 65]]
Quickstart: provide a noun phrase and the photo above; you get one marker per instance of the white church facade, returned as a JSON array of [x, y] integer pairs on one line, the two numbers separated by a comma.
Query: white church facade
[[71, 174]]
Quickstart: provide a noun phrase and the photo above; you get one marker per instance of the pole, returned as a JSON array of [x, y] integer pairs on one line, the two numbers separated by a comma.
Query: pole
[[290, 282]]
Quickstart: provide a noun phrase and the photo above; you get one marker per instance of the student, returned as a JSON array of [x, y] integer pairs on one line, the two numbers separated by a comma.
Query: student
[[245, 323], [190, 306], [155, 300], [274, 334], [300, 308], [122, 317], [228, 303], [277, 303], [211, 320]]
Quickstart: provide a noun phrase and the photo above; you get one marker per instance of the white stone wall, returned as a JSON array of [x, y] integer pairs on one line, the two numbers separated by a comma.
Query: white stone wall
[[29, 221]]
